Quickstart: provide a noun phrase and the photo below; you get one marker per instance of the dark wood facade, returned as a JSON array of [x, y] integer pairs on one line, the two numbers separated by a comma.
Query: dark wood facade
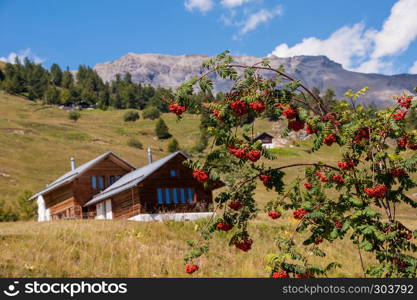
[[264, 137], [67, 202], [143, 198]]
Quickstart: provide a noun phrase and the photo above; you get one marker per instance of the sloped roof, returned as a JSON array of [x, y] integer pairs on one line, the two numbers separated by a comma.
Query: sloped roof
[[71, 175], [133, 178], [261, 134]]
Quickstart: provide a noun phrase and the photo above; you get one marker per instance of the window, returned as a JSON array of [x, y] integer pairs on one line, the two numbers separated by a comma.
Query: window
[[173, 173], [112, 179], [94, 182], [175, 195], [101, 182]]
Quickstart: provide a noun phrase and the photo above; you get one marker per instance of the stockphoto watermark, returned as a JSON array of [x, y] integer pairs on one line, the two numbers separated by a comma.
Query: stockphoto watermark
[[63, 288]]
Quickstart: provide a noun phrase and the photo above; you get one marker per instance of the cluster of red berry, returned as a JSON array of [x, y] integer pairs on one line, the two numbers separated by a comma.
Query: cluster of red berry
[[190, 269], [378, 191], [274, 215], [200, 175], [310, 130], [290, 113], [303, 275], [235, 205], [244, 245], [252, 155], [280, 274], [296, 125], [338, 179], [338, 224], [402, 143], [399, 115], [299, 213], [318, 240], [346, 165], [239, 107], [265, 179], [405, 101], [321, 176], [223, 226], [259, 107], [177, 109], [329, 140], [397, 172], [362, 135], [216, 113], [308, 185]]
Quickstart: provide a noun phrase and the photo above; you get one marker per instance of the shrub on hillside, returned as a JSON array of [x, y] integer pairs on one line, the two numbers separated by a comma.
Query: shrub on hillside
[[151, 113], [131, 116], [135, 143], [173, 146], [26, 208], [74, 115], [161, 130]]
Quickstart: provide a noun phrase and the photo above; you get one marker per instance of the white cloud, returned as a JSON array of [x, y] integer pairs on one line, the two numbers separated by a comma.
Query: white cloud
[[255, 19], [413, 69], [21, 55], [202, 5], [360, 49], [233, 3], [344, 45]]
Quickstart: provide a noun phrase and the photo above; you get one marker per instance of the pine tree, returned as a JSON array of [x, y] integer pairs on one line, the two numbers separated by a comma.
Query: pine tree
[[56, 75], [51, 95], [173, 146], [161, 130], [67, 79]]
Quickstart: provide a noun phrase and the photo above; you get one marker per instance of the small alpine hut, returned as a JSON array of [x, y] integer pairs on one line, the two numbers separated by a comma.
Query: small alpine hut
[[265, 138], [160, 190]]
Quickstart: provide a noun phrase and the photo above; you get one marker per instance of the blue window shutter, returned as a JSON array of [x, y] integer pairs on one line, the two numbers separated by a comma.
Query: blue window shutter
[[190, 195], [101, 182], [182, 190], [173, 173], [160, 197], [167, 196], [175, 193]]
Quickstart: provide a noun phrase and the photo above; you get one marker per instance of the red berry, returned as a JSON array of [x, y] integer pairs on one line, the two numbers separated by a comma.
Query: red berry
[[338, 179], [296, 125], [266, 92], [377, 191], [338, 224], [200, 175], [217, 112], [412, 146], [397, 172], [244, 245], [224, 226], [290, 113], [399, 115], [239, 107], [404, 101], [280, 274], [362, 135], [346, 165], [329, 140], [308, 185], [318, 240], [265, 179], [253, 155], [259, 107], [299, 213], [310, 130], [177, 109], [303, 275], [235, 205], [274, 215], [190, 269], [402, 142]]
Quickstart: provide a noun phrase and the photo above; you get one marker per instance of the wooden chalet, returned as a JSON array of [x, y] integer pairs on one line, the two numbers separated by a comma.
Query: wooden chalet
[[265, 138], [108, 187]]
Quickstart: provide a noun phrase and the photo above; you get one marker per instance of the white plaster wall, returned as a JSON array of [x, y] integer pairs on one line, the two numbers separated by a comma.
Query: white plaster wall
[[171, 216], [41, 209]]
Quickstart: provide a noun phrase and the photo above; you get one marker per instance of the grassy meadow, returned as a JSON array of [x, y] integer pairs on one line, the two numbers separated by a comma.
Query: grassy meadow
[[36, 144]]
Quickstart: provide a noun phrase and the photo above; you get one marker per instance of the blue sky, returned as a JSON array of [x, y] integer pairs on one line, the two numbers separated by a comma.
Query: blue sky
[[367, 35]]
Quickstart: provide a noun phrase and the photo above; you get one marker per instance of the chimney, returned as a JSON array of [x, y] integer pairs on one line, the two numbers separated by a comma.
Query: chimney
[[72, 163], [149, 155]]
